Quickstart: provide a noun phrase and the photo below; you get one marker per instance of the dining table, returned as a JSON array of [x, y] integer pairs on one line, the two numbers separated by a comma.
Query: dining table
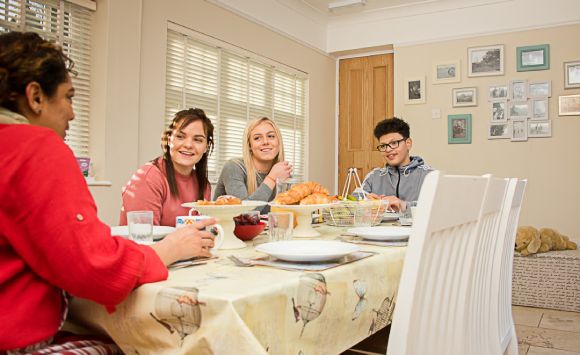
[[220, 306]]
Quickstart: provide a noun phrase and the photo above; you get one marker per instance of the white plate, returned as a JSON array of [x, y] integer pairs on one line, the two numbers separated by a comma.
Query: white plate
[[158, 231], [390, 216], [307, 250], [381, 232]]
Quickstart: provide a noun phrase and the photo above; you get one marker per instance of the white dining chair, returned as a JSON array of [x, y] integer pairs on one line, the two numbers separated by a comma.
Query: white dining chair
[[482, 325], [506, 339], [431, 311]]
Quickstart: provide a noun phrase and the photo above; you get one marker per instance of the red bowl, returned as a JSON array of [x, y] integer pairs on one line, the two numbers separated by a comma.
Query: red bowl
[[249, 231]]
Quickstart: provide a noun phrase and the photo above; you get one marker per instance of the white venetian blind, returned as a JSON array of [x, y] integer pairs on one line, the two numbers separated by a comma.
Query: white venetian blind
[[69, 25], [234, 87]]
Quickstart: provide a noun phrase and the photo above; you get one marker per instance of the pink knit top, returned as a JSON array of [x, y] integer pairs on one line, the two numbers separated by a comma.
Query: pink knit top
[[148, 190]]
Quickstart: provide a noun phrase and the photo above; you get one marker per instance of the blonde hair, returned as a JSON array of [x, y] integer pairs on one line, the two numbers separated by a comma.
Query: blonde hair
[[251, 183]]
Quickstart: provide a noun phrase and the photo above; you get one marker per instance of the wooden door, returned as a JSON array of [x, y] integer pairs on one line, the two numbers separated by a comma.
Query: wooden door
[[365, 98]]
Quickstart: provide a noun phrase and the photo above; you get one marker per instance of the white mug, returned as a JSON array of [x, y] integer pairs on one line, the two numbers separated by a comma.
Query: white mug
[[215, 229]]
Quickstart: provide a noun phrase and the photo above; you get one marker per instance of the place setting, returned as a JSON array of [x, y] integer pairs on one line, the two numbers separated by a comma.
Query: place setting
[[304, 255]]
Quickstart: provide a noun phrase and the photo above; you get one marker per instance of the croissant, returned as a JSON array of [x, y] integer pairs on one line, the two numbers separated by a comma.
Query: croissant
[[222, 200], [316, 188], [316, 199], [284, 198]]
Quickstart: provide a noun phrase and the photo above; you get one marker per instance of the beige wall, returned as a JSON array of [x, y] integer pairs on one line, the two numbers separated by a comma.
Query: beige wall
[[551, 165], [129, 99]]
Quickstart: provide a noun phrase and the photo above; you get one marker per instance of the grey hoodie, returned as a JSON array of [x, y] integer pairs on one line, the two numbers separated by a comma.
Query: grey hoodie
[[383, 181]]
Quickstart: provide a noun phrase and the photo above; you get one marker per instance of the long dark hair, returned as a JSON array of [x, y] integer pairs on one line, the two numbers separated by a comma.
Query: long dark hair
[[26, 57], [181, 120]]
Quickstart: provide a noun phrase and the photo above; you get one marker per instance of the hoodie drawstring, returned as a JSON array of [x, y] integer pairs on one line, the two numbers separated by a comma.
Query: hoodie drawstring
[[398, 181]]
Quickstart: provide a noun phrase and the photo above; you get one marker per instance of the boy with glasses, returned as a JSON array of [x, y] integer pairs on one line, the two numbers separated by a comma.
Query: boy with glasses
[[401, 178]]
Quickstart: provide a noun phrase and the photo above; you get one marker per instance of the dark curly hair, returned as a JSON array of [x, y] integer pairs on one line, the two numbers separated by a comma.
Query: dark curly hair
[[392, 125], [24, 58], [181, 120]]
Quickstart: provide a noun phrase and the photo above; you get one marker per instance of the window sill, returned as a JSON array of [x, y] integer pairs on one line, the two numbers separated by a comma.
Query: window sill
[[93, 182]]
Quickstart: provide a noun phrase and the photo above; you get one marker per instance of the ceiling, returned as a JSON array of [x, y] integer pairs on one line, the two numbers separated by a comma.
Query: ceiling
[[322, 6], [398, 22]]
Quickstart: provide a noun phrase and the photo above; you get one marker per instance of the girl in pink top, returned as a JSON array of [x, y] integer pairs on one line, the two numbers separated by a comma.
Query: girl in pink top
[[179, 176]]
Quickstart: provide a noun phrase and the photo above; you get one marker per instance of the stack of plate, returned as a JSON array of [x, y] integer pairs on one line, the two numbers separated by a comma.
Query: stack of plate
[[390, 216], [382, 233]]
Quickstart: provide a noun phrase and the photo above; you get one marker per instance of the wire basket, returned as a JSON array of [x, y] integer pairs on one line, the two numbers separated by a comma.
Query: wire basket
[[364, 213]]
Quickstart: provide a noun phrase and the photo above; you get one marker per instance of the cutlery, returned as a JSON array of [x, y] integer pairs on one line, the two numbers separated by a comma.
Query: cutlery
[[184, 264], [240, 262]]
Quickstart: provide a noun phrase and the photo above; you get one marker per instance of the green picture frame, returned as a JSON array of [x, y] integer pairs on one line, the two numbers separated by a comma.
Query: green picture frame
[[459, 129], [533, 57]]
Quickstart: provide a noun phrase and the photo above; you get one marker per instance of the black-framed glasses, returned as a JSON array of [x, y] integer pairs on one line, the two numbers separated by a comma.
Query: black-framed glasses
[[393, 145]]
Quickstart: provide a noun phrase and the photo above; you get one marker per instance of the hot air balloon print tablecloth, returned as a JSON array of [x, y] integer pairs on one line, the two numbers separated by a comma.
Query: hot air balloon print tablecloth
[[220, 308]]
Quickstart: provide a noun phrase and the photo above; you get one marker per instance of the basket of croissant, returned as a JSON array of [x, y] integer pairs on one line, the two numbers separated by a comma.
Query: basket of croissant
[[363, 213]]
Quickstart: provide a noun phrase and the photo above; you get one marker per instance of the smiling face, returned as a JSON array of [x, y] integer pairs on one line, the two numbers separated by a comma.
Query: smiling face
[[399, 156], [264, 143], [56, 111], [187, 146]]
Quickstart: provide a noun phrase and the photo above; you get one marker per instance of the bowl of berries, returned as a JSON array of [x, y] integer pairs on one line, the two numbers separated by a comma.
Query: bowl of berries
[[248, 225]]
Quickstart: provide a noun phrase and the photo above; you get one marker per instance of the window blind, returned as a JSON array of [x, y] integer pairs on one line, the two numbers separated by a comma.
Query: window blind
[[233, 88], [69, 25]]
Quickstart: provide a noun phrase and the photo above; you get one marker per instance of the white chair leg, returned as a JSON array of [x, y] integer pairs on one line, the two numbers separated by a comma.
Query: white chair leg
[[512, 348]]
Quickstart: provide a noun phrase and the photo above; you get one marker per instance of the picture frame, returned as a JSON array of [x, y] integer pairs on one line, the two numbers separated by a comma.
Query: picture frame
[[498, 111], [518, 90], [499, 131], [459, 129], [539, 129], [415, 90], [539, 109], [447, 72], [535, 57], [539, 89], [519, 130], [571, 75], [463, 97], [498, 92], [569, 105], [485, 61], [518, 109]]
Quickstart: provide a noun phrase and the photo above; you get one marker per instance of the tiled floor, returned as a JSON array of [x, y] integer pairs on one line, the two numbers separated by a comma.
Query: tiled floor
[[540, 332], [547, 332]]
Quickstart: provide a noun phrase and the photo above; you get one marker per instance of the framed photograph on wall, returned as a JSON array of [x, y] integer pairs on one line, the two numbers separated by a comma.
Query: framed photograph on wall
[[539, 129], [500, 131], [498, 92], [539, 89], [533, 57], [499, 112], [415, 90], [518, 90], [519, 129], [447, 72], [539, 108], [464, 97], [485, 61], [459, 129], [569, 105], [519, 109], [572, 75]]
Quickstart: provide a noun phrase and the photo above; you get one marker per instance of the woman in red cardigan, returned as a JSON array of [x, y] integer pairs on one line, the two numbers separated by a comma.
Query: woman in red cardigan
[[51, 240]]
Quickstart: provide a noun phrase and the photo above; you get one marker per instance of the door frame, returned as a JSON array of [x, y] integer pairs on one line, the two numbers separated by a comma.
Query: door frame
[[337, 107]]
